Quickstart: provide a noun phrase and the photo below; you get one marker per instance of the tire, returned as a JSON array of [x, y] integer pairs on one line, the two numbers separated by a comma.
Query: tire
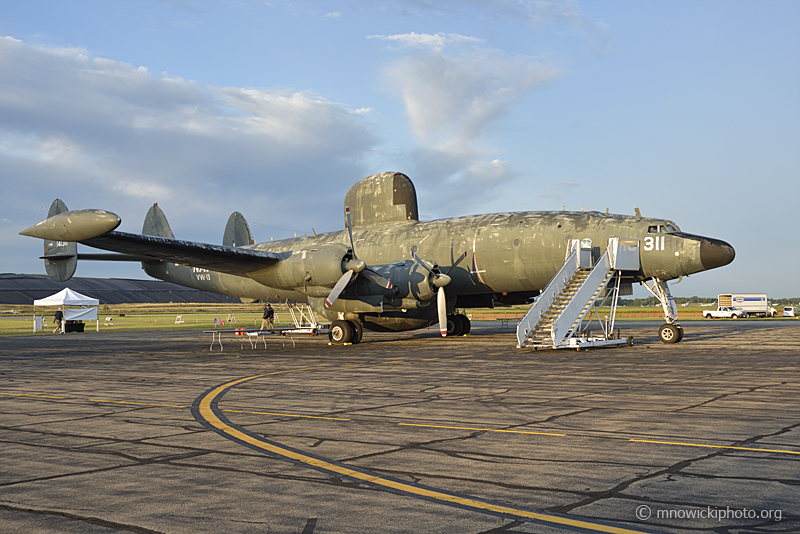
[[680, 333], [454, 326], [340, 332], [669, 333], [467, 325], [358, 332], [630, 341]]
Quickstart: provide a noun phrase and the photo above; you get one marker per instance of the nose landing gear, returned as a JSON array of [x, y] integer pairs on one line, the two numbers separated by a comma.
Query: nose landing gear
[[672, 331]]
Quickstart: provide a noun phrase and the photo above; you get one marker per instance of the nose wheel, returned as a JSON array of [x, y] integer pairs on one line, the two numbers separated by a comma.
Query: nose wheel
[[670, 333]]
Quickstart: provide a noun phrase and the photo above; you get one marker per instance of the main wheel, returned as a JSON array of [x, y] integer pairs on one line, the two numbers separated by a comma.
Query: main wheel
[[340, 332], [669, 333], [358, 332], [680, 333], [465, 323], [454, 326]]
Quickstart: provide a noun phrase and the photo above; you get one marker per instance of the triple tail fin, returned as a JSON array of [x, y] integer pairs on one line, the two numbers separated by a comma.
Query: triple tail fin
[[60, 257], [155, 223], [237, 231]]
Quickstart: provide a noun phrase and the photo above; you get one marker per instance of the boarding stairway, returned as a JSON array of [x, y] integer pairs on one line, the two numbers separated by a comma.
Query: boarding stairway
[[556, 319]]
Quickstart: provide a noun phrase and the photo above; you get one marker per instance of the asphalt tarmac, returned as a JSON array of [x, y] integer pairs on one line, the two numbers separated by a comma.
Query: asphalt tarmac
[[155, 433]]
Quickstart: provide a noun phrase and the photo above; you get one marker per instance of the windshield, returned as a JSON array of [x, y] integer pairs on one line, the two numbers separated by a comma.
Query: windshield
[[663, 228]]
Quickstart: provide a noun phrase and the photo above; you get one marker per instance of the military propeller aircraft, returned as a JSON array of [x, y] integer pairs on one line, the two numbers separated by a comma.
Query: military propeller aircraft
[[387, 271]]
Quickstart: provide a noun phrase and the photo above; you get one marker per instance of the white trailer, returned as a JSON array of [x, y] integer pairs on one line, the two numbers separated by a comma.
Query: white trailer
[[752, 303]]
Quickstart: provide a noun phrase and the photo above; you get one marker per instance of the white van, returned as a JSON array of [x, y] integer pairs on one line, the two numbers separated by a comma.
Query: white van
[[790, 311]]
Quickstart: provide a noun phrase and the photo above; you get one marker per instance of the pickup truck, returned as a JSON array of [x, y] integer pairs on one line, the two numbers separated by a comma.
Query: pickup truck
[[725, 312]]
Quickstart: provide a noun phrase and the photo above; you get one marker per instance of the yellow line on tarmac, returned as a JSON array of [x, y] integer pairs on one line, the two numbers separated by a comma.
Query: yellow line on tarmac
[[138, 403], [467, 356], [483, 429], [714, 446], [207, 413], [289, 415], [429, 359], [29, 395]]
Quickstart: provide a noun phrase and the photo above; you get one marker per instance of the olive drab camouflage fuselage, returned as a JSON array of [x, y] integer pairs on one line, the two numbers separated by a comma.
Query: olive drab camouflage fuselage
[[510, 257]]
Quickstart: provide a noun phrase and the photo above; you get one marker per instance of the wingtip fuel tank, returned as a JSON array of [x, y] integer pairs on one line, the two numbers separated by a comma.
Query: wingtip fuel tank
[[76, 225]]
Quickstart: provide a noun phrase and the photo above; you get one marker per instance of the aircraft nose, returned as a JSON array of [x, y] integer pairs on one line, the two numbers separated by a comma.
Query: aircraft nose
[[715, 253]]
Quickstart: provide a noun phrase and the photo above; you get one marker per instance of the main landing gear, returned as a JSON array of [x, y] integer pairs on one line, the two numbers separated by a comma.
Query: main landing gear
[[458, 325], [341, 332], [672, 332]]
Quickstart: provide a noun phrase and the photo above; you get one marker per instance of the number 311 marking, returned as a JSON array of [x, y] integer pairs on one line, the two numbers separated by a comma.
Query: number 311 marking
[[654, 243]]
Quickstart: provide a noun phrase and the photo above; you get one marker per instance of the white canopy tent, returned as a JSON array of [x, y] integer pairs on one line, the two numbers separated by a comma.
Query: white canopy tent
[[82, 308]]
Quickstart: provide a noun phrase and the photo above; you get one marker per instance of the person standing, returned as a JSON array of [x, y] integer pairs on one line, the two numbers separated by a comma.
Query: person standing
[[58, 317], [267, 319]]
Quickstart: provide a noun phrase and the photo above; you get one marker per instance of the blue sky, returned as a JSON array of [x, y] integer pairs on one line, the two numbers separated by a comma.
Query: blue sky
[[689, 110]]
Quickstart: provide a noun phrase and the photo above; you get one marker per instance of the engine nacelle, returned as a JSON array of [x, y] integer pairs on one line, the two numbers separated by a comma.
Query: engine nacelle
[[320, 266], [409, 279]]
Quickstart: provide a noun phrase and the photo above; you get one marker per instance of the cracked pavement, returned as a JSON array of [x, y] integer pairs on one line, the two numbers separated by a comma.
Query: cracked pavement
[[96, 433]]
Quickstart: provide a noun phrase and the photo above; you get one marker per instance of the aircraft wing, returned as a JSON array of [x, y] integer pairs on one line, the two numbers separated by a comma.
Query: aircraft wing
[[231, 260]]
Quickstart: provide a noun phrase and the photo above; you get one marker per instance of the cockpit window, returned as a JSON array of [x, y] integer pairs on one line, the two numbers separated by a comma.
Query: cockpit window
[[661, 229]]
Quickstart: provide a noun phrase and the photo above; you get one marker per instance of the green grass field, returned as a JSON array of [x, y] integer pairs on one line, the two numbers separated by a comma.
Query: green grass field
[[143, 317]]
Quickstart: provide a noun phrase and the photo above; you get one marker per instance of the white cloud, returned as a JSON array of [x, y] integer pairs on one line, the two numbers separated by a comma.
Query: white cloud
[[539, 15], [452, 102], [102, 133], [424, 40]]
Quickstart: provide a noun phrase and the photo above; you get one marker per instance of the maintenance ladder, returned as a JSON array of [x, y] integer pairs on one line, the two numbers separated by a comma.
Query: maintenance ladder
[[556, 319]]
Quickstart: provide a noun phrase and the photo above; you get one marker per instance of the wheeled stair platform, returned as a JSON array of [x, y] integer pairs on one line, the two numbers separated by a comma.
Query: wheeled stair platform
[[556, 319]]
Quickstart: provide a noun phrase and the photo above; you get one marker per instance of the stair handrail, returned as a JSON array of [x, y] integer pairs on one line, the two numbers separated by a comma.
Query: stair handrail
[[526, 325], [582, 300]]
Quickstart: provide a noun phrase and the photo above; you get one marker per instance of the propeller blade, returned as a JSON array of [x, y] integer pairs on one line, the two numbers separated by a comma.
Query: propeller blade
[[441, 305], [419, 261], [369, 274], [464, 255], [338, 288], [350, 229]]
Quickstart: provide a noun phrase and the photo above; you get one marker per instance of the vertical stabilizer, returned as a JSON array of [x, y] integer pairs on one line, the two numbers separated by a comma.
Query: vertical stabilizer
[[60, 257], [382, 199], [155, 223], [237, 231]]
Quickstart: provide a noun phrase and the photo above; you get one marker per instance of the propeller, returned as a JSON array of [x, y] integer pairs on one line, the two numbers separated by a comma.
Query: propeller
[[338, 288], [354, 266], [367, 273], [439, 280]]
